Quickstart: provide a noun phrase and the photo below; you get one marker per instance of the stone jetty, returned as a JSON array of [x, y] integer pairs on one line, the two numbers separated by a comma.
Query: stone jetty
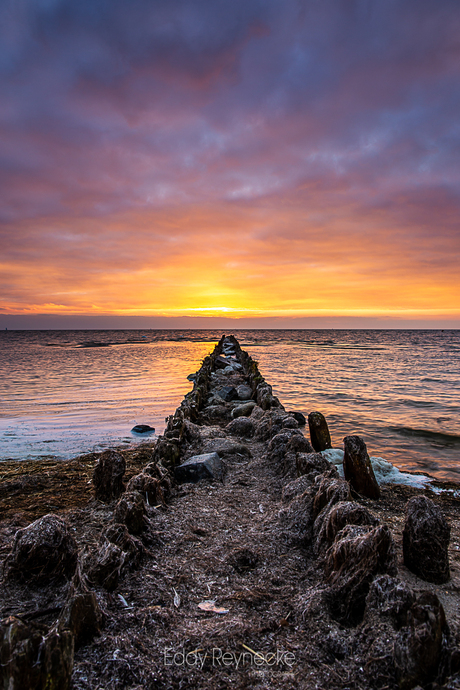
[[228, 552]]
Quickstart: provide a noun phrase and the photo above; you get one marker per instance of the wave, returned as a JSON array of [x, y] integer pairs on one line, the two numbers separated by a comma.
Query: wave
[[438, 436], [385, 472]]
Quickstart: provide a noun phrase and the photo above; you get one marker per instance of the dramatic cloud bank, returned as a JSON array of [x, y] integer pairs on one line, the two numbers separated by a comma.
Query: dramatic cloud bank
[[253, 158]]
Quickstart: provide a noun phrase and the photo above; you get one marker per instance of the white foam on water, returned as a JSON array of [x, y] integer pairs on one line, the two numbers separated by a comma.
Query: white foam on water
[[385, 472]]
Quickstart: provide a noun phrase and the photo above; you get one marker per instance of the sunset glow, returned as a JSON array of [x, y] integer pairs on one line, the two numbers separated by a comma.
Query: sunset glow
[[241, 160]]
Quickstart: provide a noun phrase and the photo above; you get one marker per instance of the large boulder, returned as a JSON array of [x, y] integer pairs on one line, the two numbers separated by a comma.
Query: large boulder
[[426, 538], [244, 392], [108, 476], [241, 426], [319, 431], [44, 550], [206, 466], [357, 468]]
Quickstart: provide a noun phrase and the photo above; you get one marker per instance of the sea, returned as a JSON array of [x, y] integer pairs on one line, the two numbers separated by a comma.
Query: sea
[[67, 393]]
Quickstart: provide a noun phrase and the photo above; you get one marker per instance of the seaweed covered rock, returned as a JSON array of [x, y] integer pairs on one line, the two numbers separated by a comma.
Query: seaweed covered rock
[[389, 598], [148, 487], [103, 566], [244, 410], [108, 476], [82, 616], [265, 398], [357, 468], [241, 426], [130, 511], [426, 538], [118, 534], [279, 445], [357, 555], [22, 645], [329, 489], [311, 464], [44, 550], [319, 431], [337, 517], [418, 647]]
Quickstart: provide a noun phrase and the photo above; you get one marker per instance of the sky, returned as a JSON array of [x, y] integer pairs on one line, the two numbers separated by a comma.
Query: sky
[[262, 161]]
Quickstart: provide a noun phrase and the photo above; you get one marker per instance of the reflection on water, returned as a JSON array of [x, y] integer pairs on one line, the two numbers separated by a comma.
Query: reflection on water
[[68, 392]]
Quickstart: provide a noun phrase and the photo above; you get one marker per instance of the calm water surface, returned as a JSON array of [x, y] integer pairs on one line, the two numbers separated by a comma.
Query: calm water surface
[[68, 392]]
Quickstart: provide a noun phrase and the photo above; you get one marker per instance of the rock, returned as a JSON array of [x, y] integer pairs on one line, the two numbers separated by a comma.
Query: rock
[[329, 489], [130, 511], [242, 426], [311, 464], [244, 392], [216, 413], [299, 417], [148, 487], [44, 550], [243, 410], [191, 377], [21, 646], [297, 444], [357, 555], [118, 534], [207, 466], [418, 647], [82, 616], [143, 429], [220, 362], [290, 423], [103, 566], [357, 468], [391, 598], [319, 431], [426, 538], [108, 476], [257, 413], [279, 445], [337, 517], [295, 488], [225, 447], [228, 393], [265, 398]]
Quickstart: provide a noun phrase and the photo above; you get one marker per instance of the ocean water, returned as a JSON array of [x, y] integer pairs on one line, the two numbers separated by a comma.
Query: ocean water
[[64, 393]]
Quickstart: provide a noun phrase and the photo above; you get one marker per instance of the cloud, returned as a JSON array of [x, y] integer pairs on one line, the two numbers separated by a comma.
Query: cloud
[[188, 146]]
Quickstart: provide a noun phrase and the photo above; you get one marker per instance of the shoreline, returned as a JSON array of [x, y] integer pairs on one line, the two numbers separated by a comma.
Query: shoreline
[[234, 541]]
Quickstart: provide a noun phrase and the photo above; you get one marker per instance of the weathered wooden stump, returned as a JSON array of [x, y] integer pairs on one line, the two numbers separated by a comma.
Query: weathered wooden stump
[[30, 660], [319, 431], [426, 538], [357, 468], [418, 647], [108, 476]]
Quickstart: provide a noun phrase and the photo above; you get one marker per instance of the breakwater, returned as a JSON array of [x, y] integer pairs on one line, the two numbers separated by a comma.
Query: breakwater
[[236, 538]]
